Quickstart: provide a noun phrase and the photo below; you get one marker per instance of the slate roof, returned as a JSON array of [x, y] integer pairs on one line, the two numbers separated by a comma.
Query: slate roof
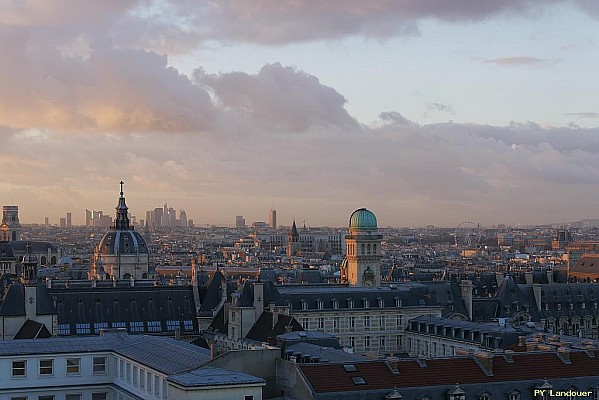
[[213, 292], [6, 253], [437, 294], [19, 246], [214, 376], [588, 265], [33, 330], [322, 354], [448, 371], [125, 305], [263, 329], [13, 301]]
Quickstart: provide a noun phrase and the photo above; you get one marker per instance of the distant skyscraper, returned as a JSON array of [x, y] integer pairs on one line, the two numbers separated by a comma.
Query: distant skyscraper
[[88, 217], [10, 230], [158, 214], [239, 221], [69, 220], [63, 222], [46, 221], [183, 218], [272, 218]]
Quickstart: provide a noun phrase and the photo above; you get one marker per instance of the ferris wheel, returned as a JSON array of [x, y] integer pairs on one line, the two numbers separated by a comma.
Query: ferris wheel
[[467, 235]]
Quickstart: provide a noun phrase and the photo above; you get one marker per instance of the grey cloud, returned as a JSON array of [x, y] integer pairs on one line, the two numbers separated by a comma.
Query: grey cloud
[[279, 98], [584, 114], [519, 61]]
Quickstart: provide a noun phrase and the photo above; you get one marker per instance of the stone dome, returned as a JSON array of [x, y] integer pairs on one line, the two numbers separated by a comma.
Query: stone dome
[[117, 241], [363, 220]]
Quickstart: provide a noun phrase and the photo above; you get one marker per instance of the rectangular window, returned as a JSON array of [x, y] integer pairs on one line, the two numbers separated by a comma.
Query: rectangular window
[[352, 342], [149, 381], [382, 322], [73, 365], [82, 329], [136, 326], [142, 378], [399, 321], [64, 329], [19, 368], [305, 323], [172, 326], [100, 325], [72, 396], [122, 369], [366, 322], [119, 325], [188, 325], [382, 343], [128, 369], [248, 397], [336, 324], [45, 397], [156, 385], [99, 365], [18, 398], [100, 396], [367, 342], [321, 324], [352, 323], [154, 326], [135, 375]]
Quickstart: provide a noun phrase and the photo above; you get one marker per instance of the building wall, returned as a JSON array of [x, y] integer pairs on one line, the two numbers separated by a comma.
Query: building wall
[[217, 393], [374, 330]]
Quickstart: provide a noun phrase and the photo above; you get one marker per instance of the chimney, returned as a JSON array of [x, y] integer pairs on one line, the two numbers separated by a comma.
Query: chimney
[[550, 275], [393, 364], [564, 354], [528, 278], [509, 356], [521, 341], [536, 289], [466, 287], [485, 362]]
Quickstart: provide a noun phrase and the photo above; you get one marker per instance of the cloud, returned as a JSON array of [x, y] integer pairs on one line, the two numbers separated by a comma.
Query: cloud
[[278, 98], [519, 61], [438, 107], [584, 114]]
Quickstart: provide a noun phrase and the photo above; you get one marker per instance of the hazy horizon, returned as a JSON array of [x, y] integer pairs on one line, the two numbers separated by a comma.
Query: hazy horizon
[[426, 113]]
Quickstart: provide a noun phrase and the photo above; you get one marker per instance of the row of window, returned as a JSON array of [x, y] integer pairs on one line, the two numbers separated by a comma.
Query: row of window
[[350, 323], [142, 379], [67, 396], [133, 327], [46, 367], [370, 343], [350, 303]]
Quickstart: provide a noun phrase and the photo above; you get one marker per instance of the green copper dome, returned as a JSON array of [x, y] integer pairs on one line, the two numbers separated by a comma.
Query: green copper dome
[[363, 219]]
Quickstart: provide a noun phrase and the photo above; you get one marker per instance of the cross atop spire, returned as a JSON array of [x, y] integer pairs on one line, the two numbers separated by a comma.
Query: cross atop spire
[[122, 219]]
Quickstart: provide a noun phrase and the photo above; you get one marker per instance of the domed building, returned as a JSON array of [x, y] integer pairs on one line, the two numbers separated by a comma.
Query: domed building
[[361, 266], [122, 253]]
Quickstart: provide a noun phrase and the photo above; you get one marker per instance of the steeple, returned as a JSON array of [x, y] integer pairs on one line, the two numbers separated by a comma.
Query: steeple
[[122, 220], [293, 235], [29, 263]]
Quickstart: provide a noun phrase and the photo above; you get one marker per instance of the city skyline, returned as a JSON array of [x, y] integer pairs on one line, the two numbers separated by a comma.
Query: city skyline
[[424, 112]]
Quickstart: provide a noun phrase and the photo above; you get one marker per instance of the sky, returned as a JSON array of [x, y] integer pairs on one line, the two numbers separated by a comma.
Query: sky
[[424, 111]]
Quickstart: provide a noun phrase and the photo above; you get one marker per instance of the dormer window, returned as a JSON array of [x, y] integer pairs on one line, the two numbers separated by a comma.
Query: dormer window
[[335, 304], [381, 303], [320, 304], [366, 303], [304, 304], [350, 303], [398, 302], [559, 306]]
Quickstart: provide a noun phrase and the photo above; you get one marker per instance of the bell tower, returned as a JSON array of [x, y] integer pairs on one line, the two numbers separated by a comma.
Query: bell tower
[[363, 250], [10, 230]]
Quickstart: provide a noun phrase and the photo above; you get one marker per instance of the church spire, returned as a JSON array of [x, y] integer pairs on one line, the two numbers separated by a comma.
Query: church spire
[[122, 219]]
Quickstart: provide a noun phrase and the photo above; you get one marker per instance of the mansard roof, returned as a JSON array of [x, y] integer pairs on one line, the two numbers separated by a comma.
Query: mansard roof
[[13, 301], [443, 373], [107, 307], [264, 330]]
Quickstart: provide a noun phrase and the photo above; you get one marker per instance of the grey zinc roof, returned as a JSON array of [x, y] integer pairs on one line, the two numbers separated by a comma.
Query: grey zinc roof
[[213, 376], [163, 354], [325, 354]]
